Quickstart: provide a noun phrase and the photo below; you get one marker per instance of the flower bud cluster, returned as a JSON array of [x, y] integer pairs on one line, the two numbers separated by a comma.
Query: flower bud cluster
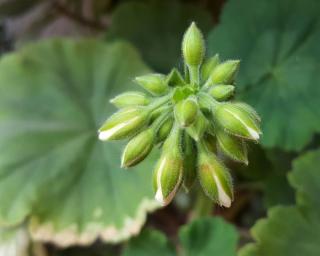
[[190, 117]]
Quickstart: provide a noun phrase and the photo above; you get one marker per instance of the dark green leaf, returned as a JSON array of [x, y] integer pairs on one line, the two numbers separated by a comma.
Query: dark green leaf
[[202, 237], [294, 230], [156, 29], [209, 236], [149, 242], [278, 44]]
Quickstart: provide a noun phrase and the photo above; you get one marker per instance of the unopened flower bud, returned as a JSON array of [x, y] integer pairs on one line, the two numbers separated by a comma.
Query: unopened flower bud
[[164, 130], [214, 178], [168, 172], [193, 47], [138, 148], [248, 109], [210, 142], [123, 123], [189, 163], [237, 121], [222, 92], [208, 67], [232, 146], [198, 128], [186, 111], [129, 99], [225, 72], [154, 83], [175, 78]]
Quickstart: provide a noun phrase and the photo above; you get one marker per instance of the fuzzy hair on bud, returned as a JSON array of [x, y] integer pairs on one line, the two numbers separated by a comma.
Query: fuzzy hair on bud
[[193, 46], [222, 92], [186, 111], [225, 72], [138, 148], [123, 123], [153, 83], [237, 121], [168, 172], [214, 178], [233, 147], [129, 99], [208, 67]]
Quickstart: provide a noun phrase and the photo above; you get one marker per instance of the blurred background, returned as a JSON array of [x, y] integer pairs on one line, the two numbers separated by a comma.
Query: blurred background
[[62, 191]]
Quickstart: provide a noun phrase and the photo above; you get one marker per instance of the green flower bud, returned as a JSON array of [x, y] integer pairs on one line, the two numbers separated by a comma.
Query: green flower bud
[[154, 83], [186, 111], [168, 172], [138, 148], [129, 99], [164, 130], [222, 92], [208, 67], [248, 109], [189, 163], [225, 72], [214, 178], [198, 128], [210, 142], [193, 46], [124, 123], [236, 121], [233, 147], [174, 78]]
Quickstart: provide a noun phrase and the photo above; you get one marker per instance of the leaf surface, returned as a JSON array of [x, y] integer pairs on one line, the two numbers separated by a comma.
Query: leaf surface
[[202, 237], [292, 230], [53, 97], [278, 44]]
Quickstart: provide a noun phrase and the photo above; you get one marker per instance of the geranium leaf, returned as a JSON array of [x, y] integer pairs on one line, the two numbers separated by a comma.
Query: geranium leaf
[[53, 170], [149, 242], [292, 230], [156, 29], [202, 237], [278, 44], [209, 236]]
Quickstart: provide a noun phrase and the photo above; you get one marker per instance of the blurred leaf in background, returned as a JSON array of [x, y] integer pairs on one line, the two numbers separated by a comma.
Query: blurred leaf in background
[[202, 237], [156, 29], [293, 230], [53, 97], [278, 43]]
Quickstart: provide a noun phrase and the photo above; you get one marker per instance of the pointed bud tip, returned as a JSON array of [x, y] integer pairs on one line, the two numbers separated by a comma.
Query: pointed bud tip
[[193, 46]]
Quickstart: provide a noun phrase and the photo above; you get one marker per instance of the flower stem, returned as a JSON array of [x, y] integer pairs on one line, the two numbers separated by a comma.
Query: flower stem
[[194, 75], [203, 205]]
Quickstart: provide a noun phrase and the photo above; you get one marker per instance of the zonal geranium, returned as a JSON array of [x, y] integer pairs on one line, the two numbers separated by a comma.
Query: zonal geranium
[[191, 117]]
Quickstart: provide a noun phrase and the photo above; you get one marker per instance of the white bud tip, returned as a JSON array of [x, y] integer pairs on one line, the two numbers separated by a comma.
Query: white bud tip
[[254, 134], [224, 199], [105, 135]]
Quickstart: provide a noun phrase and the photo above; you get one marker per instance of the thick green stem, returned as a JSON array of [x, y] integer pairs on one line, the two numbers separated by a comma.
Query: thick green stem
[[194, 75], [161, 101]]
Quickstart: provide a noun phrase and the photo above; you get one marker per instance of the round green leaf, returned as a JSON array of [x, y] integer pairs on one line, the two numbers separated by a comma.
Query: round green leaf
[[156, 29], [53, 170], [278, 44]]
